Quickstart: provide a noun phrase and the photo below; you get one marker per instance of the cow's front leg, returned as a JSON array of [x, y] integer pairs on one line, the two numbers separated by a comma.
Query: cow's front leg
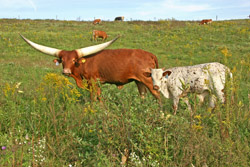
[[98, 91], [78, 81], [95, 90]]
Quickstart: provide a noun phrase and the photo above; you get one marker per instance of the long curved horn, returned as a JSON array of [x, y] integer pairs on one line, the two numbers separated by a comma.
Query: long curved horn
[[41, 48], [94, 49]]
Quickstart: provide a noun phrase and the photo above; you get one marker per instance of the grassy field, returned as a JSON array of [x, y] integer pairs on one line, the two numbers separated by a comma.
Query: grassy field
[[46, 120]]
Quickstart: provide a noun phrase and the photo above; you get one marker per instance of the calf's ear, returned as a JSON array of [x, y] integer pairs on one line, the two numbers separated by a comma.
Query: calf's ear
[[147, 74], [166, 73]]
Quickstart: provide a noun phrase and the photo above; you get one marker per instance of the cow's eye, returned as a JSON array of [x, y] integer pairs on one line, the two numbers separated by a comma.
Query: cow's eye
[[76, 63]]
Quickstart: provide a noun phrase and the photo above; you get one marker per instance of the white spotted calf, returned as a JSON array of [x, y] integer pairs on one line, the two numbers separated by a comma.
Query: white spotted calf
[[203, 79]]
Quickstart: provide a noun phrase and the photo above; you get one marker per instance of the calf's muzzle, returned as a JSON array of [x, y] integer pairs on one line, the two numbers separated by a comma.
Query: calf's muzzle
[[156, 87]]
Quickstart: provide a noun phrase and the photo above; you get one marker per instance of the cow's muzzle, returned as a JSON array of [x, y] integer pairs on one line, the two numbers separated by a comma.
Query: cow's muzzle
[[156, 87], [66, 72]]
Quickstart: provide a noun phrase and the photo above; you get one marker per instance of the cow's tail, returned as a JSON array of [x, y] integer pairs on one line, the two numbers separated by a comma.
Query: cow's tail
[[230, 74], [231, 78], [231, 83]]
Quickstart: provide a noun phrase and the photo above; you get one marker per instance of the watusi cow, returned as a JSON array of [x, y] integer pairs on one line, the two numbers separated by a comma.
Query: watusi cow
[[121, 18], [208, 21], [113, 66], [202, 79], [97, 21], [99, 34]]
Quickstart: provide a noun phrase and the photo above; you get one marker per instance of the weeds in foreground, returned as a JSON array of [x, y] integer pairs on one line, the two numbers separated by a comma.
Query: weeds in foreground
[[61, 130]]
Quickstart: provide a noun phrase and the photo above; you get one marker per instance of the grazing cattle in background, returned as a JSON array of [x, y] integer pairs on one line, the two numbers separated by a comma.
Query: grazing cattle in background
[[97, 21], [121, 18], [99, 34], [114, 66], [201, 79], [208, 21]]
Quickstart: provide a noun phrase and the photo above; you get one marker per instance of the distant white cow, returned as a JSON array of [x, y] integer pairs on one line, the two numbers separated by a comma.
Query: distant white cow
[[203, 79]]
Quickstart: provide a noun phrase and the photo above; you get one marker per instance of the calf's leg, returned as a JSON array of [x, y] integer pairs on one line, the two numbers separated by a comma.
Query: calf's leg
[[202, 96], [175, 104], [212, 101], [185, 99]]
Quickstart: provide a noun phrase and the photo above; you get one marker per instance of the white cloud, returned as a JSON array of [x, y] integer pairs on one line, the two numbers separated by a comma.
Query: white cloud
[[32, 4], [17, 4]]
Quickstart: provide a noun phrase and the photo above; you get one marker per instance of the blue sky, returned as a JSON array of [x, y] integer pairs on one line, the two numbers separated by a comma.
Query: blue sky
[[131, 9]]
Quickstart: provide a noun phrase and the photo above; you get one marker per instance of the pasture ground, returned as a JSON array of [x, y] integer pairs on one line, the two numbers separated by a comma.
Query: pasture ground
[[45, 120]]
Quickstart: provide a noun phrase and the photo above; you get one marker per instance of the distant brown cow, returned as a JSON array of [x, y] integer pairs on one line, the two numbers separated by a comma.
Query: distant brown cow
[[99, 34], [208, 21], [113, 66], [97, 21]]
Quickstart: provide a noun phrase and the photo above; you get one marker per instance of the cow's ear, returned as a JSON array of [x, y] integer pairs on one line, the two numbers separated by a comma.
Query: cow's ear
[[147, 74], [166, 73], [57, 61], [81, 61]]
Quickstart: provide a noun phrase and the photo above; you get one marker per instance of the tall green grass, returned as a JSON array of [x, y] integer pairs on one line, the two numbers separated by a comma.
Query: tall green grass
[[45, 120]]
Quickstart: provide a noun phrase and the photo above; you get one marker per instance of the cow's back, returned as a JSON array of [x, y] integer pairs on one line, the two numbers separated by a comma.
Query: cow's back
[[120, 65]]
